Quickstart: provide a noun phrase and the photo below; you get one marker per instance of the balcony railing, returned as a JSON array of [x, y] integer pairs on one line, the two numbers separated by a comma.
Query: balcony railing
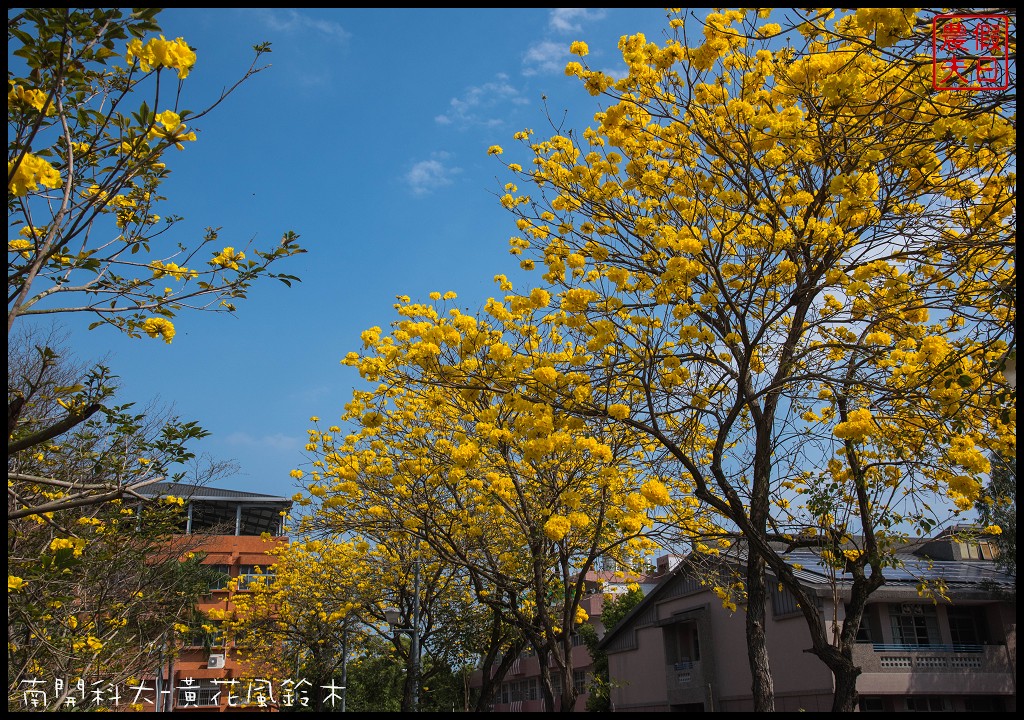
[[906, 658], [882, 647], [685, 682], [686, 673]]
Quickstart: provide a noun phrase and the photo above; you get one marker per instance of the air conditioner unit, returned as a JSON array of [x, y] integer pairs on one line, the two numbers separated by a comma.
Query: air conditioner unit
[[215, 661]]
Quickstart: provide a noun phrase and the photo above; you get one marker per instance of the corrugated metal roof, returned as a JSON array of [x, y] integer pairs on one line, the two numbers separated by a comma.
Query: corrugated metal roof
[[199, 492]]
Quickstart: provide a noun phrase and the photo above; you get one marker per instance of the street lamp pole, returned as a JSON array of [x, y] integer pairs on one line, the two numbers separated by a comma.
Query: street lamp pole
[[416, 636], [344, 663]]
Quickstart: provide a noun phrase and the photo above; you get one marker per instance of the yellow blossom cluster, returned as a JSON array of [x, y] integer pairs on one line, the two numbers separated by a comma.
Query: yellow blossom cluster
[[228, 258], [857, 426], [160, 52], [169, 127], [160, 269], [31, 172], [28, 96], [159, 327], [76, 545]]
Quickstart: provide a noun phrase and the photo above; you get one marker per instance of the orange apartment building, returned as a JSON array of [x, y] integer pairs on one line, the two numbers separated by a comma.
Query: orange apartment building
[[204, 674]]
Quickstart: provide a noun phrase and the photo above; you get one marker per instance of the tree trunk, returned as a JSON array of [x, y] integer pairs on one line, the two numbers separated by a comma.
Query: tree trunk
[[546, 688], [568, 697], [492, 677], [762, 687], [407, 690], [845, 698]]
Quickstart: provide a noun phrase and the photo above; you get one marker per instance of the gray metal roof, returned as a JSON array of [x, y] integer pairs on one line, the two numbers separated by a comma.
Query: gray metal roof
[[199, 492], [224, 511], [912, 570]]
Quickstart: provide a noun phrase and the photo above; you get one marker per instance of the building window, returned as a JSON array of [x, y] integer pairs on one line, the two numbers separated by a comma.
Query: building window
[[784, 602], [206, 635], [872, 704], [914, 625], [221, 576], [579, 681], [967, 625], [868, 631], [687, 644], [927, 703], [197, 693], [979, 550], [532, 689], [249, 574]]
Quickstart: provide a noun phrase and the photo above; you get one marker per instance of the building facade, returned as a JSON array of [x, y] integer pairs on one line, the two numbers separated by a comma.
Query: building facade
[[681, 650], [235, 531]]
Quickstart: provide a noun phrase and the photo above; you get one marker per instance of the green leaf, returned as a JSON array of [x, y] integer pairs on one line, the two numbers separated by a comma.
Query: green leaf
[[103, 53]]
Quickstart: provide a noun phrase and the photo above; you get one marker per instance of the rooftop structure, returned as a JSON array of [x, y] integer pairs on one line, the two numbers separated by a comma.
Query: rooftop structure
[[225, 512]]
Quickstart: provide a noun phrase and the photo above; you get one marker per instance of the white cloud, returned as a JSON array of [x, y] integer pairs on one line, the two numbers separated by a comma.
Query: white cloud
[[565, 20], [427, 175], [480, 105], [549, 56], [291, 21], [546, 57]]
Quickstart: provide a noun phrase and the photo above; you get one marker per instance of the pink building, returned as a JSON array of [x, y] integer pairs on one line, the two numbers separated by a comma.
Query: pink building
[[680, 650], [521, 688]]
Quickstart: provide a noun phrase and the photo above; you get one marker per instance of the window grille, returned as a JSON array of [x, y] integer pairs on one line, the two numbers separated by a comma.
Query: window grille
[[197, 693]]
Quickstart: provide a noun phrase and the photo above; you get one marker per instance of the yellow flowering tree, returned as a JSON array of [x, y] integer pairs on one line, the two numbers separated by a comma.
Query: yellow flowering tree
[[93, 113], [325, 600], [94, 583], [790, 265], [461, 448], [301, 615], [402, 574]]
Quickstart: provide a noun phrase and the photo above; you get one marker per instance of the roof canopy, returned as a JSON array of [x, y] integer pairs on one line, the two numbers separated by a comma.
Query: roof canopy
[[223, 511]]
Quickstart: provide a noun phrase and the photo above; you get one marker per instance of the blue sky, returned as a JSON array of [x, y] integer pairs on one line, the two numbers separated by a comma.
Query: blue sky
[[368, 136]]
